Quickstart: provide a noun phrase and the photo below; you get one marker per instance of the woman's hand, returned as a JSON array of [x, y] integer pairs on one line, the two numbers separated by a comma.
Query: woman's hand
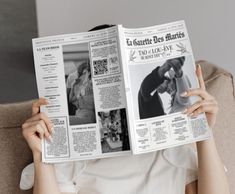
[[207, 104], [37, 127]]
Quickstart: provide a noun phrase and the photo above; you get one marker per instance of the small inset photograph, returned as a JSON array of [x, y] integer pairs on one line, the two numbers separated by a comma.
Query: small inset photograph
[[113, 131], [78, 80]]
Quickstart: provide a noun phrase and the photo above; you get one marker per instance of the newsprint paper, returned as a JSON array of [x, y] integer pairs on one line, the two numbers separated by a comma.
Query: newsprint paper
[[117, 91]]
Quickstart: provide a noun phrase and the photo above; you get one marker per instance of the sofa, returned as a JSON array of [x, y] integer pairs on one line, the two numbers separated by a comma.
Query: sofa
[[15, 154]]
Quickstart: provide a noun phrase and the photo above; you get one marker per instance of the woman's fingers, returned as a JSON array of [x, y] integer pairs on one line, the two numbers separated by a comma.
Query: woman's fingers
[[200, 77], [36, 105], [198, 106], [44, 117], [197, 92], [193, 107], [209, 108], [33, 127], [40, 129], [207, 104]]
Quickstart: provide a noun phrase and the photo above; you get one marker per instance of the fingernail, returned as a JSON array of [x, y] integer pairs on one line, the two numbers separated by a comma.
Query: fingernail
[[198, 65], [190, 115], [183, 94], [50, 138], [52, 130], [184, 111]]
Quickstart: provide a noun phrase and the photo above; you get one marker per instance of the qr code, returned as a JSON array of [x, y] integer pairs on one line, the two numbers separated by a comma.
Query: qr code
[[100, 67]]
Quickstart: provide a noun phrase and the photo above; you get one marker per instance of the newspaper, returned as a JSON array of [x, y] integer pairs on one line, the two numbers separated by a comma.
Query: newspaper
[[117, 91]]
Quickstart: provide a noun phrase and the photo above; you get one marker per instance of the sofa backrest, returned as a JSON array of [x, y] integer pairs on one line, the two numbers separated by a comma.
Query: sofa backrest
[[15, 153]]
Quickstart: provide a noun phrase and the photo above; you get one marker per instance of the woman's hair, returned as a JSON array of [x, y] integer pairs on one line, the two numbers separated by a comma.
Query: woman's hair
[[180, 59], [100, 27], [82, 67], [80, 70]]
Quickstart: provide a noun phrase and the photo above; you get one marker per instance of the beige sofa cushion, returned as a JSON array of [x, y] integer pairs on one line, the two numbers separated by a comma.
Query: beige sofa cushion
[[15, 154]]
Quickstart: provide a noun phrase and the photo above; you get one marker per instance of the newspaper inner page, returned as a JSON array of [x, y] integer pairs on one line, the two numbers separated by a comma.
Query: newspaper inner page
[[159, 68], [81, 77]]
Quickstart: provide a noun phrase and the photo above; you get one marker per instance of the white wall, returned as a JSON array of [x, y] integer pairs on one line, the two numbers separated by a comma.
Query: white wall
[[210, 22]]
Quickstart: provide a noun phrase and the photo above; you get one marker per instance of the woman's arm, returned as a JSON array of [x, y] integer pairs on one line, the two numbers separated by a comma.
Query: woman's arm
[[211, 174], [34, 130], [44, 178]]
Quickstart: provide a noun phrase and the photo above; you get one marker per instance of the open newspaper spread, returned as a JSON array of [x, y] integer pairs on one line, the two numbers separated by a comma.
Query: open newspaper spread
[[117, 91]]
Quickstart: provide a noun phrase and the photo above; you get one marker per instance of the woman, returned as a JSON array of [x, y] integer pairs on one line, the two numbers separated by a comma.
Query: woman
[[81, 95], [211, 175]]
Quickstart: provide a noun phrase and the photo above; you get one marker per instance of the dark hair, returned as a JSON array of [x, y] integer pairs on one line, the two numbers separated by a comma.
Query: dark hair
[[81, 67], [180, 59], [100, 27]]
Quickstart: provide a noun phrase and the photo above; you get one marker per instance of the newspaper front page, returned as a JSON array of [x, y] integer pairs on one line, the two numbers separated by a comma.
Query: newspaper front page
[[159, 66], [81, 77], [117, 91]]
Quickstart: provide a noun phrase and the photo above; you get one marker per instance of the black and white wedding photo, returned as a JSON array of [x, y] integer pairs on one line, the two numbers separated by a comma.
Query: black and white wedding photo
[[113, 131], [79, 84], [157, 87]]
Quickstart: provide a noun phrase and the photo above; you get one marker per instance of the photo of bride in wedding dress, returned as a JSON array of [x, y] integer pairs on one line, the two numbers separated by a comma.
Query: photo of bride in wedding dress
[[79, 84]]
